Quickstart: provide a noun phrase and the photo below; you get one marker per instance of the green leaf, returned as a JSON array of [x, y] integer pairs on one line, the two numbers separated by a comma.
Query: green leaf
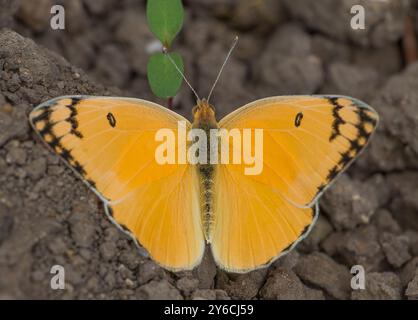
[[165, 81], [165, 19]]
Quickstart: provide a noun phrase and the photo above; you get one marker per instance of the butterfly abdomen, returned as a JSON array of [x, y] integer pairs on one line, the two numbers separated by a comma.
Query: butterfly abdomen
[[206, 173], [204, 118]]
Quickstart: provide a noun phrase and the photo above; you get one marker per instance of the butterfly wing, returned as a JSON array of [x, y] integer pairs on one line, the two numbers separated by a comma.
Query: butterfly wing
[[110, 143], [307, 142], [253, 224]]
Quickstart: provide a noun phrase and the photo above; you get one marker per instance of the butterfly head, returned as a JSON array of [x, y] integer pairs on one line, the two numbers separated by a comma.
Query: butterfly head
[[203, 114]]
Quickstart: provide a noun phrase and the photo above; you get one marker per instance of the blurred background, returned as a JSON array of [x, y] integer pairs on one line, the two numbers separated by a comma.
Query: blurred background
[[369, 217]]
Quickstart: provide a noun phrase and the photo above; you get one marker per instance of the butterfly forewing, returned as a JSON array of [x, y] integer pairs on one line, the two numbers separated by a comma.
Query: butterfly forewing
[[308, 140]]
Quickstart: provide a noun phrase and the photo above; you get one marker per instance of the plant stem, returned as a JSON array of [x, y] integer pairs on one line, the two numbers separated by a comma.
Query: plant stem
[[170, 103], [409, 42]]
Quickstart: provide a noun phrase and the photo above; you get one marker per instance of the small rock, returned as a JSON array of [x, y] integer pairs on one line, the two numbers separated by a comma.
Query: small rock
[[379, 286], [76, 17], [408, 271], [83, 233], [290, 40], [329, 50], [110, 74], [13, 123], [131, 284], [7, 19], [124, 272], [320, 231], [405, 205], [16, 155], [108, 250], [385, 19], [149, 270], [94, 284], [35, 14], [221, 295], [99, 7], [112, 234], [355, 81], [158, 290], [385, 222], [396, 248], [6, 223], [129, 258], [187, 285], [413, 241], [320, 270], [288, 261], [57, 246], [387, 60], [412, 290], [397, 146], [285, 285], [349, 203], [283, 75], [241, 286], [261, 16], [359, 246], [74, 276], [36, 168], [204, 294], [132, 27], [110, 280]]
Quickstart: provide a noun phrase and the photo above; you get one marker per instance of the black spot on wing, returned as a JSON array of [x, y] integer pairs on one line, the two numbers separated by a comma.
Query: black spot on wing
[[298, 119], [112, 120]]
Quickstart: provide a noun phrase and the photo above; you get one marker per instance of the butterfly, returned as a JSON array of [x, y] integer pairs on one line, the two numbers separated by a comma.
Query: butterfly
[[175, 210]]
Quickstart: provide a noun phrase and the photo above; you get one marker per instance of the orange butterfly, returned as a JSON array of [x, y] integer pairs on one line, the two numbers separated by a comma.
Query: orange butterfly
[[174, 209]]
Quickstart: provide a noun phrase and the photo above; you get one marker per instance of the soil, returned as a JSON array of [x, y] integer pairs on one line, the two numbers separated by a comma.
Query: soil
[[368, 218]]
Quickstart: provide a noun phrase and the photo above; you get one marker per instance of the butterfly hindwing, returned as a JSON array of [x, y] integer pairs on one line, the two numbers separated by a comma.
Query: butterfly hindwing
[[253, 224], [110, 143]]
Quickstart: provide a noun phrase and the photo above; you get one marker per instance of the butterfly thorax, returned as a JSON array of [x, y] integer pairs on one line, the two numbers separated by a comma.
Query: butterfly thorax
[[204, 118]]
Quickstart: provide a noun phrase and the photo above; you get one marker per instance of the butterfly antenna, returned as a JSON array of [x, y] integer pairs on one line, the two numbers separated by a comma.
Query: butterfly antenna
[[223, 66], [181, 73]]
